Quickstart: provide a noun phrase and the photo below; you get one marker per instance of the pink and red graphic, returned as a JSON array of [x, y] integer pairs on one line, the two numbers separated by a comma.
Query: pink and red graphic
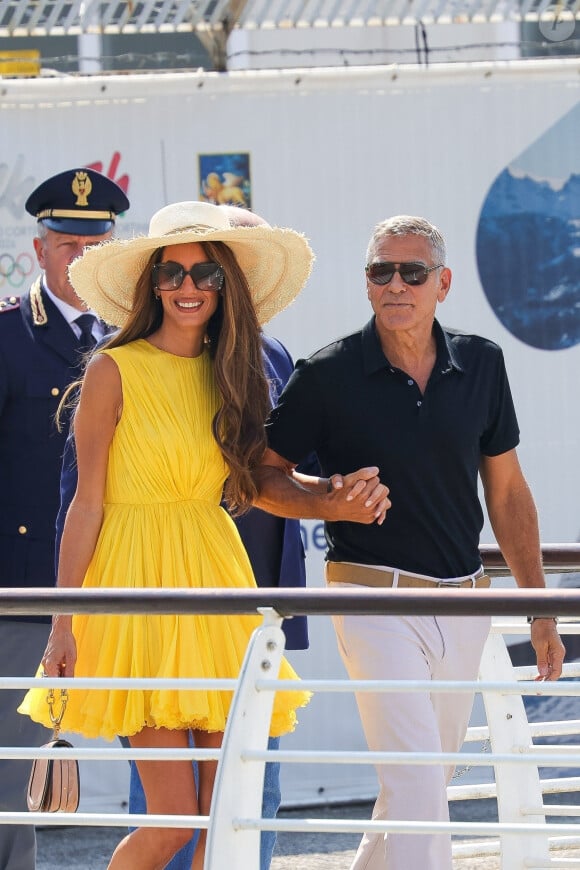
[[122, 180]]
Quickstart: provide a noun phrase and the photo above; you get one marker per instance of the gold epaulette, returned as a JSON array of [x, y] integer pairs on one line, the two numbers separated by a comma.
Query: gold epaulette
[[9, 303], [39, 316]]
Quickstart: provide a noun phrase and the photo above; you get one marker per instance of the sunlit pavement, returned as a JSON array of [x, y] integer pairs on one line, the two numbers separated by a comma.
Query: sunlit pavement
[[84, 848]]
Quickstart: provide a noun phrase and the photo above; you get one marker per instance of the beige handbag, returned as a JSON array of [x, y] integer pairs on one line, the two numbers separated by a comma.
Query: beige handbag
[[54, 783]]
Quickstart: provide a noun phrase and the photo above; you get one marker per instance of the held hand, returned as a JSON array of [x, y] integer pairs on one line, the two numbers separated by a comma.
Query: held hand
[[360, 496], [60, 654], [549, 649]]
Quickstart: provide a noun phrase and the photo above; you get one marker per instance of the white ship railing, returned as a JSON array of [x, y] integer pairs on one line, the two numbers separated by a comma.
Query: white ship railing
[[523, 837]]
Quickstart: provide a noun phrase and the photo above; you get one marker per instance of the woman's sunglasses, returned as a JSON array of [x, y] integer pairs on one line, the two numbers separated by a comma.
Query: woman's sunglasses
[[205, 276], [411, 273]]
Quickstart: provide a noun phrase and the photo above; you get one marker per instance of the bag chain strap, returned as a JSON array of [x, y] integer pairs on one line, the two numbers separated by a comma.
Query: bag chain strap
[[56, 720]]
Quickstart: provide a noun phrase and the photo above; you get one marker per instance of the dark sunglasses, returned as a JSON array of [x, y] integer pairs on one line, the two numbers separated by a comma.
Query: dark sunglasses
[[411, 273], [205, 276]]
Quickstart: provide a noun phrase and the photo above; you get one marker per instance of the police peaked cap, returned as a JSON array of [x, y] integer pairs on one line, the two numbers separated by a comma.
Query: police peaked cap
[[81, 202]]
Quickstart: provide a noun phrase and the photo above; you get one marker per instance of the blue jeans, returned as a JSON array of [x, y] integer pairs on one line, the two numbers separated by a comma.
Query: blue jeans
[[270, 805]]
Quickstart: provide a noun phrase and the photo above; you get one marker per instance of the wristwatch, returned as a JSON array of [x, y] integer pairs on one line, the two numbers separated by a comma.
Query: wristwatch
[[533, 618]]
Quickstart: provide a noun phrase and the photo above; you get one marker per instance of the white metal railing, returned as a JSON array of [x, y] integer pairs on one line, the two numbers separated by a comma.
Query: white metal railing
[[70, 17], [522, 837]]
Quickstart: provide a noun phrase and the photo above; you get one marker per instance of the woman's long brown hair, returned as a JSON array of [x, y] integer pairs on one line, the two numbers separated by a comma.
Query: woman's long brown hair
[[235, 346]]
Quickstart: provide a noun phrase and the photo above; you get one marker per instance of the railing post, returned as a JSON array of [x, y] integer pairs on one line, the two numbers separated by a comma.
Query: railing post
[[239, 784], [518, 786]]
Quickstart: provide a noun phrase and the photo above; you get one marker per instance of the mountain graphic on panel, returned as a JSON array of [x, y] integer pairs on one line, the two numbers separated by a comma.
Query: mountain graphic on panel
[[528, 240]]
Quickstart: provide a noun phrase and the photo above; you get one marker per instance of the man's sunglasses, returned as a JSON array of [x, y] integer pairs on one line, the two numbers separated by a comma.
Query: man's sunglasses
[[205, 276], [411, 273]]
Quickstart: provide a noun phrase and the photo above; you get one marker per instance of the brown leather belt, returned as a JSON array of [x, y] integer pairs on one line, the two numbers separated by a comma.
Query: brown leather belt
[[366, 575]]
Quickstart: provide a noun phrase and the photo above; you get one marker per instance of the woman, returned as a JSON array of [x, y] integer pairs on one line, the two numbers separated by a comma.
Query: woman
[[170, 409]]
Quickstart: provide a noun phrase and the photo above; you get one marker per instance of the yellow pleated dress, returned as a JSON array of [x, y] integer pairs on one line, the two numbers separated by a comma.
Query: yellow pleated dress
[[163, 528]]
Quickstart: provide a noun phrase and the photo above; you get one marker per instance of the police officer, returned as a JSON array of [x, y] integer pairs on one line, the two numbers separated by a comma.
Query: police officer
[[42, 346]]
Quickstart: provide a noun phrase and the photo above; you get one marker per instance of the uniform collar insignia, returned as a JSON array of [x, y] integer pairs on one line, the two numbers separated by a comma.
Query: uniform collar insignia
[[39, 316]]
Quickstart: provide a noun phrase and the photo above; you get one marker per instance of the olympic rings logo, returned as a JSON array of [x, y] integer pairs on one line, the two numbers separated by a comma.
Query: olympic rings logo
[[15, 271]]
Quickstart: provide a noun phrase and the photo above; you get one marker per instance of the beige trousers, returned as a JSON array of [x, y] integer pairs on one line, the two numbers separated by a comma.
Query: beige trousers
[[411, 648]]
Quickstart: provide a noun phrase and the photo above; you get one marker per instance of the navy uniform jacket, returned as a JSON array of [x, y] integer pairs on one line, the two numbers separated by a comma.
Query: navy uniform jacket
[[39, 358], [274, 544]]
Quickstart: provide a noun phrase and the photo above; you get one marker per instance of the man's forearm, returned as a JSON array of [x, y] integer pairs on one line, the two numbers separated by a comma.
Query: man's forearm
[[317, 485], [515, 525], [514, 520], [296, 497], [357, 497]]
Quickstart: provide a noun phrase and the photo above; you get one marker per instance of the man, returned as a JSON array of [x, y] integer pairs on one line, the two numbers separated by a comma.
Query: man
[[275, 549], [431, 408], [41, 352]]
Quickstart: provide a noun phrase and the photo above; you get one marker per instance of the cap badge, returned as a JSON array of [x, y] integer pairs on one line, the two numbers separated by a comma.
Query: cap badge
[[81, 187]]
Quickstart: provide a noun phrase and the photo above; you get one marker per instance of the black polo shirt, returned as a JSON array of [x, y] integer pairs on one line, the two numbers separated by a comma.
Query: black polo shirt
[[349, 405]]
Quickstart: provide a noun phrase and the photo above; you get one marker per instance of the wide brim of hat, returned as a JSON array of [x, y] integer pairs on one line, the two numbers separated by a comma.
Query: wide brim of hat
[[275, 261]]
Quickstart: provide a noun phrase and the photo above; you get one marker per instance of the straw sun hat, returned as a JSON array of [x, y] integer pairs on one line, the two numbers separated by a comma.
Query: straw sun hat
[[276, 262]]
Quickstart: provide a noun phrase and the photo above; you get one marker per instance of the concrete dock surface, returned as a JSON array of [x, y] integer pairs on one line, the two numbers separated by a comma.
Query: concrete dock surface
[[83, 848]]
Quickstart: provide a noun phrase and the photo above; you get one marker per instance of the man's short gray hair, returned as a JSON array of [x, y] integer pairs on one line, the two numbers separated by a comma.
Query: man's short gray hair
[[41, 230], [408, 225]]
